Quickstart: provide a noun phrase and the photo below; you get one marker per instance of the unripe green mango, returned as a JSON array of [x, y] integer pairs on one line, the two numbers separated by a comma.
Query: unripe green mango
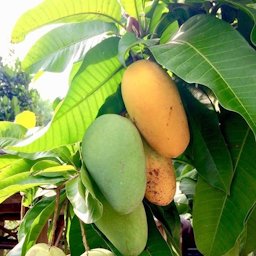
[[42, 249], [113, 153], [98, 252], [127, 232]]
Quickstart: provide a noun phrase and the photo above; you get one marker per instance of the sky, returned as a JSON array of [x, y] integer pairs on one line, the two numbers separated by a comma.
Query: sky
[[49, 85]]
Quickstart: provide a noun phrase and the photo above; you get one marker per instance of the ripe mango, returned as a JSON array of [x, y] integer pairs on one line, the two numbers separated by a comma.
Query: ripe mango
[[113, 153], [42, 249], [161, 180], [153, 103], [127, 232]]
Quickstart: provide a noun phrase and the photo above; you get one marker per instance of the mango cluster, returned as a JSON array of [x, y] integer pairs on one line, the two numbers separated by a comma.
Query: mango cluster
[[113, 152], [154, 105], [131, 158]]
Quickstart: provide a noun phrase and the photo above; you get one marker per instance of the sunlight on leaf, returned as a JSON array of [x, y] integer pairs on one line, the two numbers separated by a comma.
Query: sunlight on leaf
[[59, 11], [65, 44], [98, 77]]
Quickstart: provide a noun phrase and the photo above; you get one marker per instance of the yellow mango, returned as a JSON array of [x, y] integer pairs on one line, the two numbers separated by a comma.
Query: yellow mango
[[161, 179], [153, 103]]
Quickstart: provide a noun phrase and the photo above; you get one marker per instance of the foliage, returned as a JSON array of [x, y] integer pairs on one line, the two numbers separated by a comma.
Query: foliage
[[208, 47], [16, 96]]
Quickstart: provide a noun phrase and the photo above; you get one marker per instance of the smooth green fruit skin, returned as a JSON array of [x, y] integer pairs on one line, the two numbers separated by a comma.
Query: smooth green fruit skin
[[98, 252], [113, 152], [128, 233], [42, 249]]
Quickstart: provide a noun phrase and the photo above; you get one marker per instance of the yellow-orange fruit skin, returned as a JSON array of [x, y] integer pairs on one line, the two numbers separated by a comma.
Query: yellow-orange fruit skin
[[153, 103], [161, 179]]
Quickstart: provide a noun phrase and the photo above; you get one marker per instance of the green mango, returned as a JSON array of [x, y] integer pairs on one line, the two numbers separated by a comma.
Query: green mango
[[113, 153], [128, 233], [42, 249], [98, 252]]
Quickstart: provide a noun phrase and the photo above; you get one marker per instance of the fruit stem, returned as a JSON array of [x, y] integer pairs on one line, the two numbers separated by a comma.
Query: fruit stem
[[55, 217], [85, 243]]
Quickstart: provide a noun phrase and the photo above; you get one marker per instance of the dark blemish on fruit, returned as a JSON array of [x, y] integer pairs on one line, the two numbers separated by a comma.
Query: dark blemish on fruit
[[156, 172]]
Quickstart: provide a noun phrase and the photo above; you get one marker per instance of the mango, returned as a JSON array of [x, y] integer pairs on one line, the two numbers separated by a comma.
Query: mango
[[113, 153], [153, 103], [128, 233], [42, 249], [98, 252], [161, 179]]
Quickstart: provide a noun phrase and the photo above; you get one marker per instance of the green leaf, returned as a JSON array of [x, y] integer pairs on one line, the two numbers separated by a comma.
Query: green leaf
[[14, 167], [169, 32], [134, 8], [187, 186], [33, 223], [85, 205], [218, 218], [170, 219], [75, 237], [65, 44], [113, 104], [156, 245], [128, 41], [31, 215], [248, 7], [61, 11], [10, 133], [98, 77], [207, 149], [209, 51], [36, 219], [7, 160], [157, 16], [87, 182], [250, 241], [22, 181], [49, 168]]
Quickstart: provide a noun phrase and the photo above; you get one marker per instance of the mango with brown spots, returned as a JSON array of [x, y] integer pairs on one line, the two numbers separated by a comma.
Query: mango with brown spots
[[161, 180]]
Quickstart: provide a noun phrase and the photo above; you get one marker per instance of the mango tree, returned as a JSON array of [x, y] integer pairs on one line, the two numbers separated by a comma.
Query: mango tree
[[207, 48]]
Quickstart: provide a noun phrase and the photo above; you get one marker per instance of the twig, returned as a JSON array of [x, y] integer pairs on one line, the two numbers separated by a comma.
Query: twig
[[55, 217], [85, 243]]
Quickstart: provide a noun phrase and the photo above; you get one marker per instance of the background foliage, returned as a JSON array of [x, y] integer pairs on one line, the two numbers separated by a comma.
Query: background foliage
[[16, 96]]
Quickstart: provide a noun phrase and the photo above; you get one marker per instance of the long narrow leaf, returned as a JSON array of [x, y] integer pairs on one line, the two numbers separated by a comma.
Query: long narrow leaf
[[217, 215], [196, 52], [134, 8], [98, 77], [156, 245], [59, 11], [250, 238], [65, 44], [21, 182], [85, 205], [207, 150], [75, 237], [40, 219], [10, 132], [247, 6], [14, 167]]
